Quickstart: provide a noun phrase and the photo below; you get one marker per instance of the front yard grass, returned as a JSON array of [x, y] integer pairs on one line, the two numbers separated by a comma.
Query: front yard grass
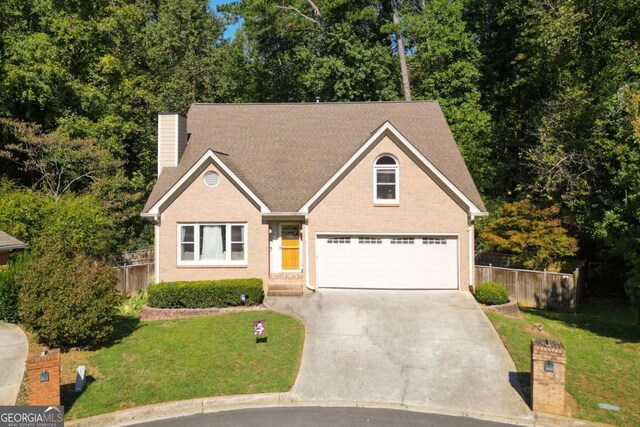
[[166, 360], [602, 342]]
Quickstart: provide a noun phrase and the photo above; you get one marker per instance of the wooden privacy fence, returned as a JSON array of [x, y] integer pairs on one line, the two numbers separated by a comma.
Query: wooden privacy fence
[[536, 289], [132, 278]]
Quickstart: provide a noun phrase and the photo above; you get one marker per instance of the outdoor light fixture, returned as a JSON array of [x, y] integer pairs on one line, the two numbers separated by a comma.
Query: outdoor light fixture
[[548, 366], [44, 376], [243, 298]]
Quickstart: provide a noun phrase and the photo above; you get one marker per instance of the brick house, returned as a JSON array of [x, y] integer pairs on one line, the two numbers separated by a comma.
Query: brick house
[[331, 195]]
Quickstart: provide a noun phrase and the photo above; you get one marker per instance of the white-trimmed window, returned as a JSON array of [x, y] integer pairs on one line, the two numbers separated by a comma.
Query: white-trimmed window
[[386, 180], [212, 244]]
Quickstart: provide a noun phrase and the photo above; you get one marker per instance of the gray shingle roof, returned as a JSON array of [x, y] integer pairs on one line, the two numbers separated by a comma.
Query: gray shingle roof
[[8, 242], [286, 152]]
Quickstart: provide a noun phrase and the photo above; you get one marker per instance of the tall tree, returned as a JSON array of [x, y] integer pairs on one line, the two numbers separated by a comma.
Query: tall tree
[[444, 65], [331, 49]]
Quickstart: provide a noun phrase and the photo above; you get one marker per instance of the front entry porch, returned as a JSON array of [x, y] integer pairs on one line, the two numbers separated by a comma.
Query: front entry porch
[[286, 258]]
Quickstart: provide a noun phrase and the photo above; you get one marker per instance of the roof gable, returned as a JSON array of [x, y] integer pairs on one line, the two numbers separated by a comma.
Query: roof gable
[[185, 180], [387, 129], [286, 153]]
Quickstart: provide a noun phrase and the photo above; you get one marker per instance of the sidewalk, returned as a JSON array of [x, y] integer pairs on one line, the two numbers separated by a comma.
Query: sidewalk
[[13, 356]]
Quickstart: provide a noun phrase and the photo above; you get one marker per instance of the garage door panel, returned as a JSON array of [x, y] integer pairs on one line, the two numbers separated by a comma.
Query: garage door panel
[[393, 262]]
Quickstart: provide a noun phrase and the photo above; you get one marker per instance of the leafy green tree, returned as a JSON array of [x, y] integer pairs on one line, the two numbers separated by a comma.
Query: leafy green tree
[[334, 50], [444, 65], [57, 163], [36, 218], [534, 235]]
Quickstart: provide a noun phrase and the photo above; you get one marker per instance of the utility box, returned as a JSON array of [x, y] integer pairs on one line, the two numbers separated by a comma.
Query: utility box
[[44, 378], [548, 368]]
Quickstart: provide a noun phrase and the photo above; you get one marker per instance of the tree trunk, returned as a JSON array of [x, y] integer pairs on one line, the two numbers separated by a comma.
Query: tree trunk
[[401, 54]]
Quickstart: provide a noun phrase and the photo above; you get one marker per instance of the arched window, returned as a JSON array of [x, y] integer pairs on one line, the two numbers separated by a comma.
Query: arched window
[[386, 180]]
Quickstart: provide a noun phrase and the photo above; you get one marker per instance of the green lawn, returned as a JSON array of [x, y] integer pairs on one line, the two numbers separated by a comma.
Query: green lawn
[[603, 356], [161, 361]]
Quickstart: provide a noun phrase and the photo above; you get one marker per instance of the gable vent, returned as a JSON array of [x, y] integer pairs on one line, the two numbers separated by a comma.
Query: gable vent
[[211, 179]]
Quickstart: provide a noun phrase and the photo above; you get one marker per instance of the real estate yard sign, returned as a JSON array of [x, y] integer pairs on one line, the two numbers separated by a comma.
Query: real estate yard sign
[[260, 330]]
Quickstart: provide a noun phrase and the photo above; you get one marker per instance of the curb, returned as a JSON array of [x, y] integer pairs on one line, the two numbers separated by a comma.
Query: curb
[[208, 405]]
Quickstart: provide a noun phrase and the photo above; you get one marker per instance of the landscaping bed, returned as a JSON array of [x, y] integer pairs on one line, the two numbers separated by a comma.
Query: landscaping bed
[[152, 313], [167, 360], [603, 356]]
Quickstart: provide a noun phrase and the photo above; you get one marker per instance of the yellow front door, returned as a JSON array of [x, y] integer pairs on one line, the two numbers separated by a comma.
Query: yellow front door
[[290, 247]]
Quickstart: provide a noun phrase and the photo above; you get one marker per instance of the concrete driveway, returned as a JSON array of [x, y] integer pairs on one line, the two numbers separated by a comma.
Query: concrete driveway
[[13, 356], [431, 348]]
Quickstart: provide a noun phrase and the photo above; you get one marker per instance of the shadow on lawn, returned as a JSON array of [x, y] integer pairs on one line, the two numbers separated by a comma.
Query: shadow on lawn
[[123, 327], [68, 395], [606, 317]]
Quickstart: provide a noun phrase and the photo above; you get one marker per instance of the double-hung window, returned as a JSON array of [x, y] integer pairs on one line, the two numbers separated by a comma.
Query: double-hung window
[[212, 244], [386, 180]]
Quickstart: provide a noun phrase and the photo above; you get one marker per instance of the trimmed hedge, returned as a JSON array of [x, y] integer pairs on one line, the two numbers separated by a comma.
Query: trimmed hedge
[[492, 293], [205, 293]]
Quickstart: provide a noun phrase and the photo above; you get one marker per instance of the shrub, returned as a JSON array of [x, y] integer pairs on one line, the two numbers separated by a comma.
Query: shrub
[[205, 294], [68, 299], [9, 287], [132, 306], [492, 293]]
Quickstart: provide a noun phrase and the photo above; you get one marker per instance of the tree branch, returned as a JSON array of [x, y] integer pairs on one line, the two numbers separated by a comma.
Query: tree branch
[[299, 13], [316, 11]]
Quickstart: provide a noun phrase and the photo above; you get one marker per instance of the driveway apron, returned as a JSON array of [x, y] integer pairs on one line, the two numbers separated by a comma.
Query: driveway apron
[[432, 348], [13, 356]]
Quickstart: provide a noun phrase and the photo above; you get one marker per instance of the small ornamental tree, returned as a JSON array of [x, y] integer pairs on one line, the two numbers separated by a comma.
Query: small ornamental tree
[[68, 299], [534, 235]]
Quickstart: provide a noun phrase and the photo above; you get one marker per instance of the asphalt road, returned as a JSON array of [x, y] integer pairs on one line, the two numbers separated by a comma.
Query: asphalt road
[[321, 416]]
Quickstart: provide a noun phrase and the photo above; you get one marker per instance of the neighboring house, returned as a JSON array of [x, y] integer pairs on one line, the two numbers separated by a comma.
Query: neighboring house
[[345, 195], [7, 244]]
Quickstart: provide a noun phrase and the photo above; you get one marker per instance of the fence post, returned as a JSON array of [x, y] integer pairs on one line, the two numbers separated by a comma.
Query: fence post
[[576, 284], [517, 286], [146, 281], [490, 273], [126, 278], [545, 286]]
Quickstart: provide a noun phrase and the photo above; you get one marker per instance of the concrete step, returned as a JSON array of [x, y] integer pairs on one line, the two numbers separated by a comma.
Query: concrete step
[[285, 288]]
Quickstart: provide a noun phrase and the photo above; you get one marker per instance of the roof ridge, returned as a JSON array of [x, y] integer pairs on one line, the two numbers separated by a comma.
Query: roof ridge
[[421, 101]]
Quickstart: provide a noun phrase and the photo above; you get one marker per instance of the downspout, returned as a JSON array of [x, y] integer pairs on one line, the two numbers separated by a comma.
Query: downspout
[[471, 253], [156, 256], [306, 257]]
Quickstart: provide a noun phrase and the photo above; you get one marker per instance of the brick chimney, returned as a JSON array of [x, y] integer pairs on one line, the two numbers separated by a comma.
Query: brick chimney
[[172, 139]]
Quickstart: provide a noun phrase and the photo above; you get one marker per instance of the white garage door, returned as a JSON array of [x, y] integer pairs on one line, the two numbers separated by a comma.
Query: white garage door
[[387, 262]]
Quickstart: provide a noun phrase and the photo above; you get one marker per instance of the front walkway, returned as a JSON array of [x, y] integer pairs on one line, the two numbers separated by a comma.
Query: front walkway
[[13, 356], [431, 348]]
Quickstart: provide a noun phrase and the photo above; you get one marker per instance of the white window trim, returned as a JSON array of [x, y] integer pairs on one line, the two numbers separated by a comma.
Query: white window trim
[[396, 169], [196, 245]]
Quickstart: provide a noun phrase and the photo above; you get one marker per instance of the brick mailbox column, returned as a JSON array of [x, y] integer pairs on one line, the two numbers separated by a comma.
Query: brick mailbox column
[[44, 378], [548, 362]]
